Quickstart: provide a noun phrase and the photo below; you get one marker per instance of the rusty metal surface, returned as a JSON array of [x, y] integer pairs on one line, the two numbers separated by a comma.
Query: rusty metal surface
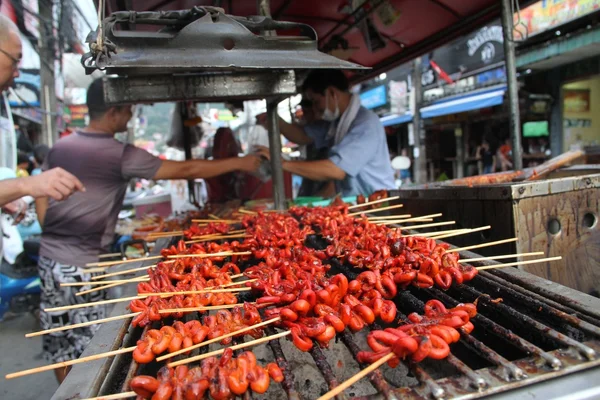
[[204, 38]]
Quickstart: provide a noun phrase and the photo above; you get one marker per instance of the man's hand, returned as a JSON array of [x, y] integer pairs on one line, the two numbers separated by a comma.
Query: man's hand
[[249, 163], [56, 183], [17, 209], [262, 151]]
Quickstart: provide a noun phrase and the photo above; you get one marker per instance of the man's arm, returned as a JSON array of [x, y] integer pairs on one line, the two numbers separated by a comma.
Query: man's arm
[[321, 170], [292, 132], [193, 169], [41, 206], [56, 183]]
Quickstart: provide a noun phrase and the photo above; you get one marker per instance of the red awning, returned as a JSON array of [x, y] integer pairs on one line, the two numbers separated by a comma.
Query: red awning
[[414, 26]]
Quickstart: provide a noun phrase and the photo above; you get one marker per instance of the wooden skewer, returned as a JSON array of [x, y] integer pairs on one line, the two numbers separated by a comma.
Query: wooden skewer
[[129, 271], [69, 363], [512, 264], [477, 246], [219, 234], [501, 257], [81, 325], [428, 225], [438, 233], [109, 255], [122, 299], [82, 292], [213, 216], [218, 339], [117, 396], [241, 210], [463, 232], [346, 384], [208, 239], [376, 210], [110, 263], [368, 203], [136, 280], [422, 218], [226, 221], [236, 347], [91, 304], [203, 308], [205, 255], [384, 217], [170, 233]]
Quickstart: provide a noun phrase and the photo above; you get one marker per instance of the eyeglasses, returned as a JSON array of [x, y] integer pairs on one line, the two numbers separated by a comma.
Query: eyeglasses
[[15, 61]]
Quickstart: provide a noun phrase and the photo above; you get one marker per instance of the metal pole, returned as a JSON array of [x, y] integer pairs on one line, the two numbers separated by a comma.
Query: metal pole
[[275, 151], [419, 153], [513, 88], [47, 79]]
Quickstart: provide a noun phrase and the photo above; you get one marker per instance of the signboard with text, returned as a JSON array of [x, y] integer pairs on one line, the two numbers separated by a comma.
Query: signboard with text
[[548, 14]]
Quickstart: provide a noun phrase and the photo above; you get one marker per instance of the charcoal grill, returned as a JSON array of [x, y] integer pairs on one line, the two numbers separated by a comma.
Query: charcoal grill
[[540, 341]]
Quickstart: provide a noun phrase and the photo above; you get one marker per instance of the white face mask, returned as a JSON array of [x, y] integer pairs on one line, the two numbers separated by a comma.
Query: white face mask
[[329, 115]]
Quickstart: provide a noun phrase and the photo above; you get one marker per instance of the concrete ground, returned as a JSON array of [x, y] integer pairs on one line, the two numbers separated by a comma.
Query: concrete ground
[[19, 353]]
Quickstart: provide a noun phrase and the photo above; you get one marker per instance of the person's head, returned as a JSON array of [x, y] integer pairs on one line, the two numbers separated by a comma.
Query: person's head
[[308, 112], [328, 89], [40, 152], [224, 144], [112, 119], [22, 160], [10, 52]]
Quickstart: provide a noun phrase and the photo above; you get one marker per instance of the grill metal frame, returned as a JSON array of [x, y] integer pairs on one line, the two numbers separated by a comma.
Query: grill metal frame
[[562, 314]]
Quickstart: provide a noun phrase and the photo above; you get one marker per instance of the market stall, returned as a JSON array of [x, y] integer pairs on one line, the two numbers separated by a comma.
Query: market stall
[[333, 279]]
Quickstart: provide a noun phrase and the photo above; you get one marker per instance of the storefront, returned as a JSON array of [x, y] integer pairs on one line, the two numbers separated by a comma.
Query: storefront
[[560, 57]]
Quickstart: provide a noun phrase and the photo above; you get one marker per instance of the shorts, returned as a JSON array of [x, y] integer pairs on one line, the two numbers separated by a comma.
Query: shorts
[[68, 344]]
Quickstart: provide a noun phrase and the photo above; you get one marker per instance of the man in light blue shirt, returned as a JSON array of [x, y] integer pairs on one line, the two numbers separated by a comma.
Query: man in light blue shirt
[[359, 159]]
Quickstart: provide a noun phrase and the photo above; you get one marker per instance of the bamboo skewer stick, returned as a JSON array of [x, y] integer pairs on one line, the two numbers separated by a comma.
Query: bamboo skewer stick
[[117, 396], [226, 221], [91, 304], [208, 239], [81, 325], [368, 203], [82, 292], [426, 225], [376, 210], [236, 347], [195, 309], [501, 257], [243, 211], [138, 279], [401, 220], [130, 271], [170, 233], [126, 272], [463, 232], [110, 263], [477, 246], [64, 364], [218, 339], [205, 255], [438, 233], [349, 382], [213, 216], [384, 217], [122, 299], [219, 234], [516, 263]]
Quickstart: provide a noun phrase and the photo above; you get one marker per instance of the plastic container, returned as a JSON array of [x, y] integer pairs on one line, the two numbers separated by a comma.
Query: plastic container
[[159, 204]]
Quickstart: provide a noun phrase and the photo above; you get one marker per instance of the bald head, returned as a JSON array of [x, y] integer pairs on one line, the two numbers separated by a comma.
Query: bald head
[[10, 52]]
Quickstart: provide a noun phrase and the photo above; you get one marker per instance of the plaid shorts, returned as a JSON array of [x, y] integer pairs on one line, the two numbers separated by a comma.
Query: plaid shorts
[[68, 344]]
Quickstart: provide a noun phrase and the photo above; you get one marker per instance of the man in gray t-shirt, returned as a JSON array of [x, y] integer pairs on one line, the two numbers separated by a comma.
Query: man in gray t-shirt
[[77, 230]]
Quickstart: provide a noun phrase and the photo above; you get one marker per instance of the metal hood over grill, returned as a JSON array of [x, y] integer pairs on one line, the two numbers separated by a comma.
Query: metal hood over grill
[[204, 39]]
